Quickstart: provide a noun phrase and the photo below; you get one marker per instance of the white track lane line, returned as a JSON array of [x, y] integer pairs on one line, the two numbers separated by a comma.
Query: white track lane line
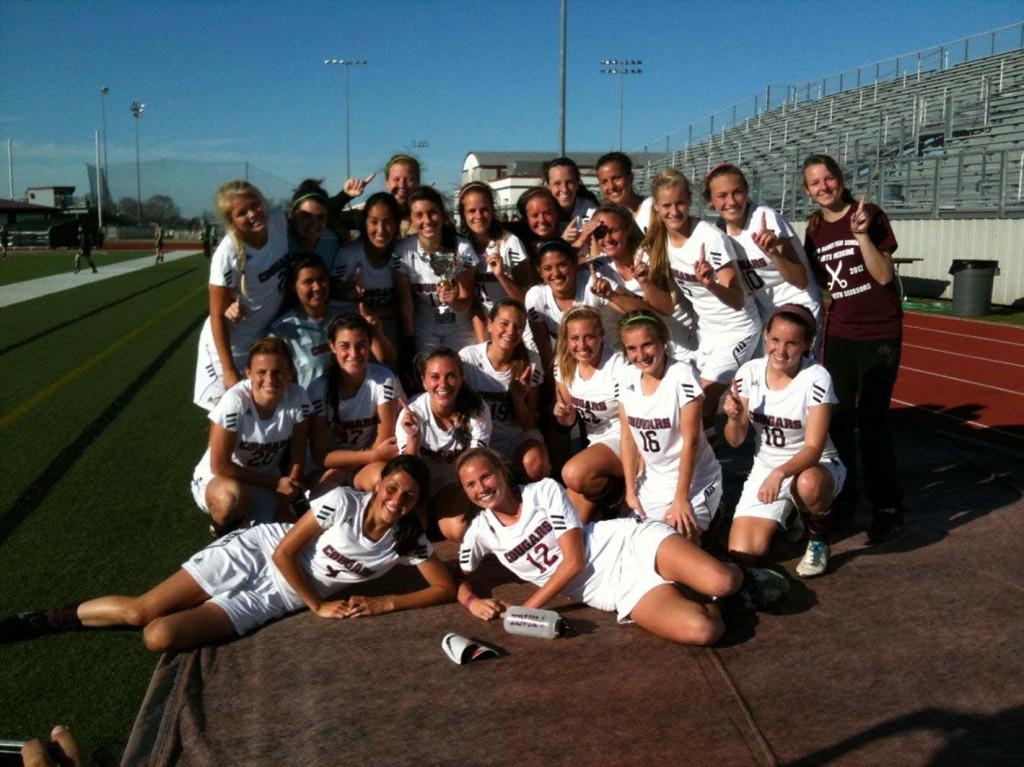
[[962, 380], [963, 335], [957, 354], [958, 420]]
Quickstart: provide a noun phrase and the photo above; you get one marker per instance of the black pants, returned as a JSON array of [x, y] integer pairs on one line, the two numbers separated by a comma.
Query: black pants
[[864, 374]]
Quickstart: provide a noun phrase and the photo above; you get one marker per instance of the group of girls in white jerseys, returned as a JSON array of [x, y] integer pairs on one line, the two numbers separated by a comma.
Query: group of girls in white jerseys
[[572, 320]]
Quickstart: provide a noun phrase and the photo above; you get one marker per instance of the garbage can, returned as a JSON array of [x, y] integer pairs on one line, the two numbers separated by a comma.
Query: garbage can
[[972, 286]]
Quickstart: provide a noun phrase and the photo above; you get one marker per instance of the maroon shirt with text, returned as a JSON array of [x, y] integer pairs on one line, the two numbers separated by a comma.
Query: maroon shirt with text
[[862, 309]]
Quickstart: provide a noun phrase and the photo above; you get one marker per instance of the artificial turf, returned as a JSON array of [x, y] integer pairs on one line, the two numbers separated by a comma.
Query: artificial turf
[[21, 265], [100, 438]]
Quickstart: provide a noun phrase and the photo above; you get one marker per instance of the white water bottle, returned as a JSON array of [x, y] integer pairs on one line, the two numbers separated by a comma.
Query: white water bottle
[[544, 624]]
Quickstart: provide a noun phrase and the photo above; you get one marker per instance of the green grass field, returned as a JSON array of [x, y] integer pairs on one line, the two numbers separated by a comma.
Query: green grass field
[[24, 265], [100, 438]]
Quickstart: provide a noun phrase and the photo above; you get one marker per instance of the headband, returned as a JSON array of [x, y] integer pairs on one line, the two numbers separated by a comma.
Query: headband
[[721, 166], [800, 311], [649, 319], [311, 196]]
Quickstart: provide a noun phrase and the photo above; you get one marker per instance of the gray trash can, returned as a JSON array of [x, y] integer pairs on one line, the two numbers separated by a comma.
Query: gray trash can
[[972, 286]]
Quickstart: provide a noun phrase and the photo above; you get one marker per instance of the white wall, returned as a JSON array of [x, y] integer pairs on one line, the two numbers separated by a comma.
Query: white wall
[[939, 242]]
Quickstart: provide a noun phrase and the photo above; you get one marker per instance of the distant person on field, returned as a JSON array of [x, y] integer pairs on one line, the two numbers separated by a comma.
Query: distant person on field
[[159, 232], [3, 241], [206, 237], [84, 249]]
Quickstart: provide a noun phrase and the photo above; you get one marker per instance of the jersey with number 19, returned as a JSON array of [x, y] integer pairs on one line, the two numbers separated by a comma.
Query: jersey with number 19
[[595, 398]]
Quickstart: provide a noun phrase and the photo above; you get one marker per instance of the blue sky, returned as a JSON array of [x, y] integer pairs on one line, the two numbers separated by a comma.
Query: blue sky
[[234, 82]]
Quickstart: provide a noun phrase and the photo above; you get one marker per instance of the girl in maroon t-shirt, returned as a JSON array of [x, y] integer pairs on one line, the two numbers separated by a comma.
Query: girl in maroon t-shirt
[[850, 245]]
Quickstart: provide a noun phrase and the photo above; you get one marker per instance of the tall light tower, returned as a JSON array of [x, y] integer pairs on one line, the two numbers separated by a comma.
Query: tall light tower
[[101, 170], [347, 64], [137, 107], [621, 67]]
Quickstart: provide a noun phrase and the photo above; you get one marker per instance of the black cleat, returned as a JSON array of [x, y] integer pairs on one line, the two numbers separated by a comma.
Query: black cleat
[[18, 628], [886, 524]]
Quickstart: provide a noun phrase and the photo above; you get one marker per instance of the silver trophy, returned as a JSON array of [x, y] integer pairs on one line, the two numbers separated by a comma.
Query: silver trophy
[[443, 265]]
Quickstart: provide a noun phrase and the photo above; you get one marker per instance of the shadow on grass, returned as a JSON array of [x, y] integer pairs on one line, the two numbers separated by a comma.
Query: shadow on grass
[[33, 495], [93, 312]]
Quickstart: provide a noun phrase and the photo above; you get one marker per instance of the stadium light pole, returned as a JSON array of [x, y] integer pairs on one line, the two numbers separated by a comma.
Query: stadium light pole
[[101, 172], [621, 67], [347, 64], [137, 107]]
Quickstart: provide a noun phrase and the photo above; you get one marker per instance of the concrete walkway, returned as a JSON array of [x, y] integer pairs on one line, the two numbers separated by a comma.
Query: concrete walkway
[[17, 292]]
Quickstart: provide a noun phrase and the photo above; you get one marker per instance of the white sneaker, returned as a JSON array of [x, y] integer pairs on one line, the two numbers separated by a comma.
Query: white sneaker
[[815, 560]]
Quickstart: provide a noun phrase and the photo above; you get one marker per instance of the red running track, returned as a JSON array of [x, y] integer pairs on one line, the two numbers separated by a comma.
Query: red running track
[[964, 375]]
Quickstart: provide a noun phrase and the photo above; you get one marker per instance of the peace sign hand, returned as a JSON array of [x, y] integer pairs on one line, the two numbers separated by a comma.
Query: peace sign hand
[[860, 220]]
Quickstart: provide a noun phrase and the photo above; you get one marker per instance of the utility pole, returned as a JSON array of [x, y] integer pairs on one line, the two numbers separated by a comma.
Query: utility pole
[[137, 107], [347, 64], [621, 67]]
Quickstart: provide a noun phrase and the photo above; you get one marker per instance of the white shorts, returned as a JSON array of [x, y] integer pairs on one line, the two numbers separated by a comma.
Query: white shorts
[[611, 439], [634, 572], [209, 382], [720, 356], [704, 500], [236, 572], [506, 442], [778, 511], [456, 340], [260, 504]]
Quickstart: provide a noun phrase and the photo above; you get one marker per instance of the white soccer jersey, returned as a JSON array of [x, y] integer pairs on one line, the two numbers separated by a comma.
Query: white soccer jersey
[[342, 554], [259, 442], [512, 253], [378, 284], [779, 417], [353, 422], [761, 277], [595, 399], [542, 307], [440, 447], [529, 548], [713, 316], [654, 425], [643, 214], [410, 259], [492, 385], [266, 271]]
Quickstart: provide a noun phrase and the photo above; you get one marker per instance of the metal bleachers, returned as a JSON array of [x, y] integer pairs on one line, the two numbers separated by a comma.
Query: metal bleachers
[[926, 137]]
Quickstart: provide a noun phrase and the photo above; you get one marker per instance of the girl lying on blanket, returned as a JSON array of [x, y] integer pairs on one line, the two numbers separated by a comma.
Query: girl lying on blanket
[[253, 576], [629, 566]]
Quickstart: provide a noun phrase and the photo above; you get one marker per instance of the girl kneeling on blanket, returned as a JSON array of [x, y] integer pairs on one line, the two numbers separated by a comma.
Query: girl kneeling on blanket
[[253, 576]]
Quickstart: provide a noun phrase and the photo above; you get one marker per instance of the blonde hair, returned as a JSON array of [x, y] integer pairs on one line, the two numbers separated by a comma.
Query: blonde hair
[[222, 202], [655, 242], [563, 357]]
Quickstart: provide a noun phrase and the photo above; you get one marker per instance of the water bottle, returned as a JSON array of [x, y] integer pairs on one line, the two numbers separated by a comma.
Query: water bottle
[[544, 624]]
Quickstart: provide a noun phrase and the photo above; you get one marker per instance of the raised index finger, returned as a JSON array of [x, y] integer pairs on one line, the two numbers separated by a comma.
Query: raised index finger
[[764, 223], [735, 389], [369, 178], [863, 201]]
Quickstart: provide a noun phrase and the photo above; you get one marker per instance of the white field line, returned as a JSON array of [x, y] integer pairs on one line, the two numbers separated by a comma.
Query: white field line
[[963, 380], [958, 354], [963, 335]]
